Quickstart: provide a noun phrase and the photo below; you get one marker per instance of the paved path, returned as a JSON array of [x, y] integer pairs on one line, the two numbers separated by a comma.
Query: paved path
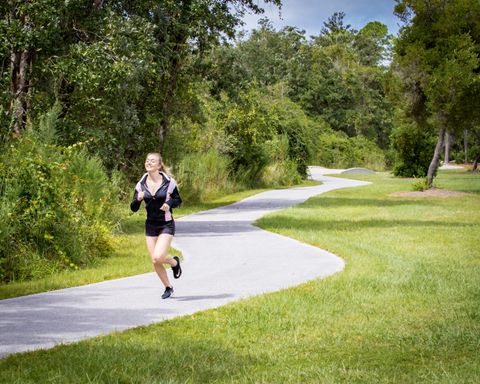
[[226, 258]]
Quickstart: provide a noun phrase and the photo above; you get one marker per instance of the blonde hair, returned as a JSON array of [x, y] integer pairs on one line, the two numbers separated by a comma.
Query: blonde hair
[[163, 167]]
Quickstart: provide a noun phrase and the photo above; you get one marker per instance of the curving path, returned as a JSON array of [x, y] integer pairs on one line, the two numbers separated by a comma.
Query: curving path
[[226, 258]]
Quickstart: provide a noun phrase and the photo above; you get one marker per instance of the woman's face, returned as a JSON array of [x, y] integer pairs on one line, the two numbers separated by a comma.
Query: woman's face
[[152, 163]]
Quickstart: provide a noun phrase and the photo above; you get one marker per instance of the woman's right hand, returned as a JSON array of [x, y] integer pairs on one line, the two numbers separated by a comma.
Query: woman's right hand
[[140, 196]]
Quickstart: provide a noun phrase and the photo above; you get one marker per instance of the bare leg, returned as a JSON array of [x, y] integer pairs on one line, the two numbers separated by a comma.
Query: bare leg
[[158, 250]]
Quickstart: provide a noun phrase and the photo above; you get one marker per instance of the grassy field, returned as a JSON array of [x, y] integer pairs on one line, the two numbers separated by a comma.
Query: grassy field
[[406, 309]]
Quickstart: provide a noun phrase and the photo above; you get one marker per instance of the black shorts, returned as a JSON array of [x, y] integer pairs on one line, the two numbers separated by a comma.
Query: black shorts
[[155, 229]]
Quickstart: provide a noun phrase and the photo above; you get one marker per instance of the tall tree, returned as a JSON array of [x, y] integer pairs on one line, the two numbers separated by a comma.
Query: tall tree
[[31, 31], [438, 50], [121, 68], [184, 28], [339, 77]]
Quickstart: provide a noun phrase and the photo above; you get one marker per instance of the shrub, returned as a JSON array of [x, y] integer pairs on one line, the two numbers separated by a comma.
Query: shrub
[[281, 170], [254, 121], [337, 150], [413, 148], [56, 209], [203, 176], [245, 131], [420, 185]]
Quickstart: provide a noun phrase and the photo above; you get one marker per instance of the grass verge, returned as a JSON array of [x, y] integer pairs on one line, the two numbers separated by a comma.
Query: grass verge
[[404, 310]]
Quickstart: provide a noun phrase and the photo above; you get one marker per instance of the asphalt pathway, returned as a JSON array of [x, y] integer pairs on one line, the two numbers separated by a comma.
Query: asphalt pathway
[[226, 259]]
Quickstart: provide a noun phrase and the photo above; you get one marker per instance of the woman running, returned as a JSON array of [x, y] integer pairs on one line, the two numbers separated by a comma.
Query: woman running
[[160, 194]]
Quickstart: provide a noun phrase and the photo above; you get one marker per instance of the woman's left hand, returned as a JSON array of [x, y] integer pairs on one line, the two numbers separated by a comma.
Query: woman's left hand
[[165, 207]]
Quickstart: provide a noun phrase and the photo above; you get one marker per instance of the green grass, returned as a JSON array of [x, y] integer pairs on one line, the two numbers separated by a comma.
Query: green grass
[[406, 309], [130, 256], [463, 181]]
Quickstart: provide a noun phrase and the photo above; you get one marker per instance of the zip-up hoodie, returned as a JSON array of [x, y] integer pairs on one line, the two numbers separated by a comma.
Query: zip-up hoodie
[[167, 193]]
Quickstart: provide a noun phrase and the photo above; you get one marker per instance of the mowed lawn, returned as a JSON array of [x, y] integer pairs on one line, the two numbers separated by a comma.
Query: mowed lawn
[[406, 309]]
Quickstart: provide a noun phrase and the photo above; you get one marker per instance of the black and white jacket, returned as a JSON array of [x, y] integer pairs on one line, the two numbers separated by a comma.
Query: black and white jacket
[[167, 193]]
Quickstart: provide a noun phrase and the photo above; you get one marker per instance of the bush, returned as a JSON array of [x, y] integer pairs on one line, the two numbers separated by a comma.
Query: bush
[[281, 170], [203, 176], [336, 150], [413, 148], [56, 209], [245, 130], [420, 185], [289, 120], [255, 120]]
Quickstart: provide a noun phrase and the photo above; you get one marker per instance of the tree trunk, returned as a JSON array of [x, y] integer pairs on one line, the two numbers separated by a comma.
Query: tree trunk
[[448, 144], [20, 63], [475, 163], [432, 169], [465, 144]]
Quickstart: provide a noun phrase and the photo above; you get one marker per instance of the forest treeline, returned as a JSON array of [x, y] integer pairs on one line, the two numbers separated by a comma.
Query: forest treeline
[[87, 88]]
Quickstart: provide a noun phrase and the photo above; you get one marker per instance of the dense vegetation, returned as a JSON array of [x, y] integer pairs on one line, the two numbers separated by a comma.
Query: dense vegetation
[[88, 87]]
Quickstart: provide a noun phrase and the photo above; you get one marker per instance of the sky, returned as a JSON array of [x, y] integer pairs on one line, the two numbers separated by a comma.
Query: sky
[[309, 15]]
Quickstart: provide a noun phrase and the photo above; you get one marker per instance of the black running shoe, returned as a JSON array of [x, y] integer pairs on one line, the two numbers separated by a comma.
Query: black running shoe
[[168, 292], [177, 270]]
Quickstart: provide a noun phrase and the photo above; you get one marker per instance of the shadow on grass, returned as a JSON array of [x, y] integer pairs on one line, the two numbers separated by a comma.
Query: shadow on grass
[[309, 225], [326, 202]]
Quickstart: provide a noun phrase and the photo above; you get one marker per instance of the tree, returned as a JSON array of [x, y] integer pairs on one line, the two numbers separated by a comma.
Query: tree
[[334, 77], [335, 24], [32, 31], [184, 28], [122, 69], [438, 51], [373, 43]]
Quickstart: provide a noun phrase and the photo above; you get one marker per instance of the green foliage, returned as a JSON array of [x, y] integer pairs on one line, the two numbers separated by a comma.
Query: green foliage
[[281, 170], [413, 148], [372, 42], [337, 150], [267, 139], [438, 57], [55, 206], [198, 131], [121, 69], [248, 125], [337, 76], [101, 96], [420, 185], [256, 123], [291, 122], [203, 176]]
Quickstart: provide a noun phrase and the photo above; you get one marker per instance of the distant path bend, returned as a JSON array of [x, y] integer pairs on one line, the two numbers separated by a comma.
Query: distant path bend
[[226, 258]]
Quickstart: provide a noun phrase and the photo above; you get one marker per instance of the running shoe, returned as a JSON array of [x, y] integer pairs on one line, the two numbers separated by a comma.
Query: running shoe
[[177, 269], [168, 292]]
